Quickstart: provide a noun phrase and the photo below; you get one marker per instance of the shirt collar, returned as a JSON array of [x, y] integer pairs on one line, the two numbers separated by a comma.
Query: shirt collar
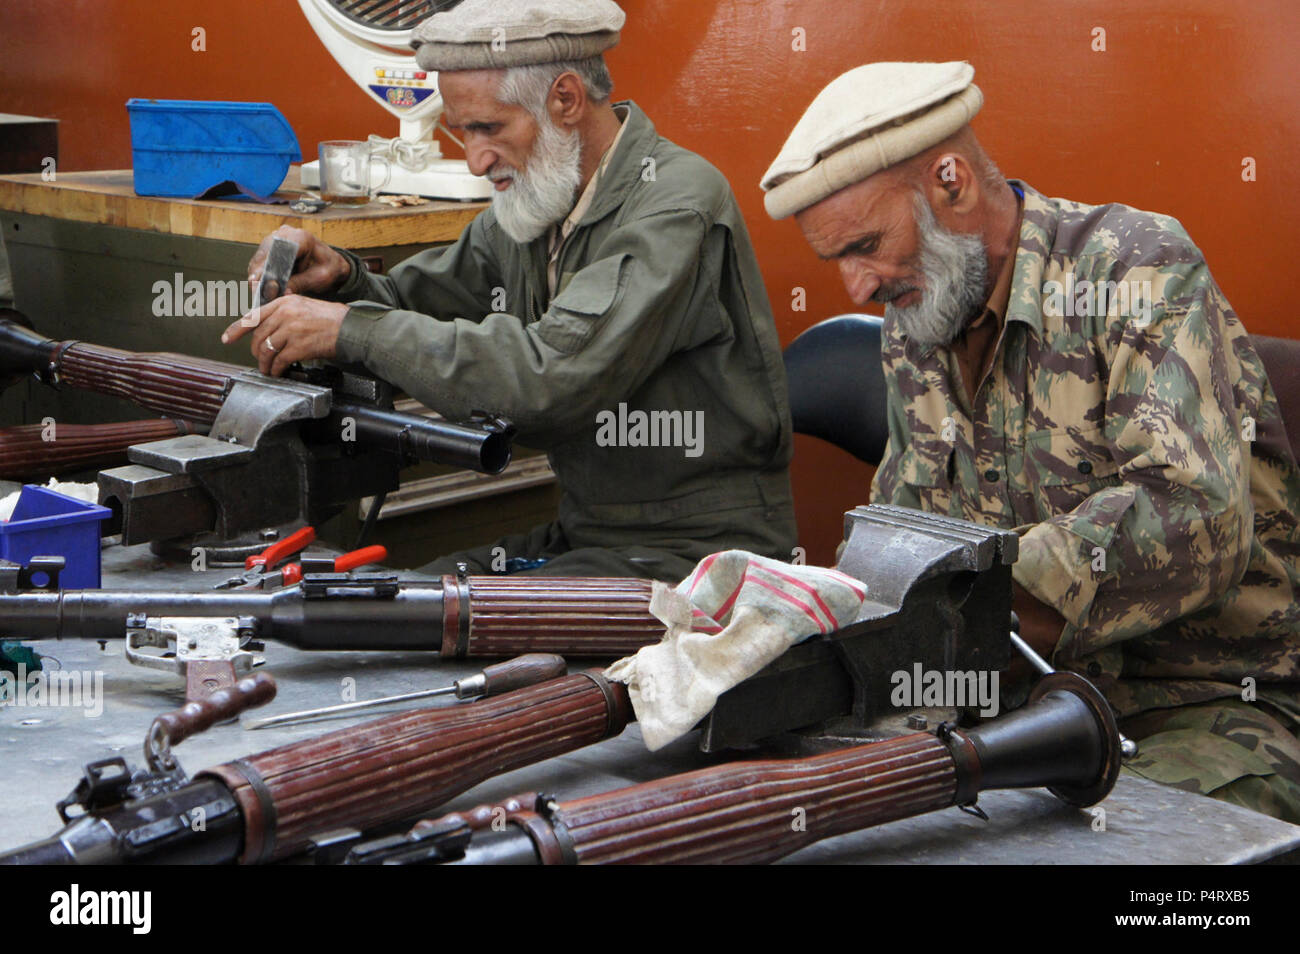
[[1039, 216], [588, 196]]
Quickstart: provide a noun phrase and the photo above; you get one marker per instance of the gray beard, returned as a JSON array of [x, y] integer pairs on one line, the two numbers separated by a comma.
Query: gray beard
[[954, 269], [543, 193]]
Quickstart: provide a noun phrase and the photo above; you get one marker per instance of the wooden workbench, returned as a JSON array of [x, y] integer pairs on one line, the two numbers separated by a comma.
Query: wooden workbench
[[108, 198]]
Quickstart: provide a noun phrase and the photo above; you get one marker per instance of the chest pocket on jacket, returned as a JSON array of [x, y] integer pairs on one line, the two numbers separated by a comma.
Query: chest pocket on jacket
[[1063, 468], [925, 472], [584, 305]]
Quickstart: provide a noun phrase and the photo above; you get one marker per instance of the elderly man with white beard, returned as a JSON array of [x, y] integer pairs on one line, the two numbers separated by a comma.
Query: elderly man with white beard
[[608, 304], [1073, 372]]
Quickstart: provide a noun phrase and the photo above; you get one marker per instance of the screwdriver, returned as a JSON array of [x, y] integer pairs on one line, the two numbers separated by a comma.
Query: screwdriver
[[526, 670]]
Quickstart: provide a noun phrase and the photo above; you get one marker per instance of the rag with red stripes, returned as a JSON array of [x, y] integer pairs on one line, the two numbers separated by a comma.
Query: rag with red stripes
[[732, 616]]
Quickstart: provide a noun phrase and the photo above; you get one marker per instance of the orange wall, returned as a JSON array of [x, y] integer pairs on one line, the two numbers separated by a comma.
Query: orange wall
[[1161, 120]]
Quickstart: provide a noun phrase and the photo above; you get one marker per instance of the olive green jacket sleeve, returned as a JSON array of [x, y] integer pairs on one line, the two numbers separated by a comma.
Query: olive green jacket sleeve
[[458, 280], [611, 326]]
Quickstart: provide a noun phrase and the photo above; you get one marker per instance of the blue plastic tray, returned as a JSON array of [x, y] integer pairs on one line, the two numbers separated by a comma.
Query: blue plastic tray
[[183, 147], [48, 524]]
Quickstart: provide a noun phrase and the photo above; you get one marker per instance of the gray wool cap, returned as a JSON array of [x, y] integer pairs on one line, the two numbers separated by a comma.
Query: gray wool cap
[[498, 34]]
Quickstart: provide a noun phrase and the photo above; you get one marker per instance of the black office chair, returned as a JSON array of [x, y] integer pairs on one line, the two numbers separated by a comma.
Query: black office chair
[[1281, 360], [837, 385]]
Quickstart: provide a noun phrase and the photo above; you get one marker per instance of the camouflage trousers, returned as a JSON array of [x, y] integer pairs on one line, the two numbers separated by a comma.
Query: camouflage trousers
[[1227, 749]]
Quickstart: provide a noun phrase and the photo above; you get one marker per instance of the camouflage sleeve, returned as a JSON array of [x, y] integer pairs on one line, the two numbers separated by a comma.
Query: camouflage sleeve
[[1174, 533]]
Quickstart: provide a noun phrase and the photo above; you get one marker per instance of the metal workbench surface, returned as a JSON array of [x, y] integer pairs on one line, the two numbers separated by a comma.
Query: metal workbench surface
[[43, 749]]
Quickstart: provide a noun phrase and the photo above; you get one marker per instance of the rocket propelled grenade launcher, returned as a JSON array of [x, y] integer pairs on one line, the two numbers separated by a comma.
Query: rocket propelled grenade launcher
[[314, 795], [939, 596], [279, 452], [741, 813], [457, 616]]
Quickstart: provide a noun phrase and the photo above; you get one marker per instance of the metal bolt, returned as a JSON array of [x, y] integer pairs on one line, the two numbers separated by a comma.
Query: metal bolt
[[917, 721], [269, 535]]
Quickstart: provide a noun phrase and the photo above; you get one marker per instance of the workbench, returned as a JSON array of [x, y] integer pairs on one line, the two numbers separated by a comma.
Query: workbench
[[42, 751], [86, 254]]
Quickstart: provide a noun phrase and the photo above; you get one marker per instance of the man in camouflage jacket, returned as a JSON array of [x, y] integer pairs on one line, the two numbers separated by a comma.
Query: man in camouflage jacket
[[1075, 373]]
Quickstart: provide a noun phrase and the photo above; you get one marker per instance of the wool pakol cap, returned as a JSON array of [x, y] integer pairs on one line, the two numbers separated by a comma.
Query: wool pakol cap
[[868, 119], [499, 34]]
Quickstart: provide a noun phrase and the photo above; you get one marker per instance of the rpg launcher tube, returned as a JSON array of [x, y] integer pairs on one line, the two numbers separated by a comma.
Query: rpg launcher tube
[[31, 452], [195, 389], [274, 805], [461, 617], [1064, 739]]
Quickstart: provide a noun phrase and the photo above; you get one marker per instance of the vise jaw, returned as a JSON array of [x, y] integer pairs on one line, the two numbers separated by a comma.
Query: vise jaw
[[254, 470], [938, 597]]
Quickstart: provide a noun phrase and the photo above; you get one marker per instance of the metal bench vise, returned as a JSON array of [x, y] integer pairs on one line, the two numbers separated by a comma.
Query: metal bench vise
[[938, 597]]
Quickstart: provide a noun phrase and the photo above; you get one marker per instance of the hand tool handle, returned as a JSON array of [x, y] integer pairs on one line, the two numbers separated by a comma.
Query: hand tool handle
[[526, 670], [362, 557], [201, 714], [403, 766], [281, 548]]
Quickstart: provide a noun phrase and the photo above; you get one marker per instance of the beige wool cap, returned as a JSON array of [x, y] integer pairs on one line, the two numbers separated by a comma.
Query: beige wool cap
[[498, 34], [868, 119]]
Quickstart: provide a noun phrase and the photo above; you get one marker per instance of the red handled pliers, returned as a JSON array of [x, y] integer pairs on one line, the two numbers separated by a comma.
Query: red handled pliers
[[260, 569]]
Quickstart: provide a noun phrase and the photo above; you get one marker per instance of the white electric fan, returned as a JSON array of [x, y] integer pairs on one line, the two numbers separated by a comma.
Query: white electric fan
[[371, 41]]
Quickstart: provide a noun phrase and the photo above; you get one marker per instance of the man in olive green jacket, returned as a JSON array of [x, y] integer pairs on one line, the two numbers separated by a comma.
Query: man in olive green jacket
[[609, 304]]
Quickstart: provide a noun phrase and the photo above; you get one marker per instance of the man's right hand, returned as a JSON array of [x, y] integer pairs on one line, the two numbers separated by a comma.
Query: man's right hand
[[319, 269]]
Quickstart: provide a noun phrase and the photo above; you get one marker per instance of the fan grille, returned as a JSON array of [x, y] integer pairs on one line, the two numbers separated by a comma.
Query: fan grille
[[395, 15]]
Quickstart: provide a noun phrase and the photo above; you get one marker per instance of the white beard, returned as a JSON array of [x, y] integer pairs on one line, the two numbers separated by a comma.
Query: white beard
[[543, 193], [954, 268]]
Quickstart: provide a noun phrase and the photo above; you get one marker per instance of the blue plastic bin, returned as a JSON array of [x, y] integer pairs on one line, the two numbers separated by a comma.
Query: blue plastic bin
[[182, 147], [48, 524]]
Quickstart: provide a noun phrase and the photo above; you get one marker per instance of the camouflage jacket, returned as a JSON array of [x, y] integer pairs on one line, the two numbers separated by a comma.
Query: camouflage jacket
[[1128, 432]]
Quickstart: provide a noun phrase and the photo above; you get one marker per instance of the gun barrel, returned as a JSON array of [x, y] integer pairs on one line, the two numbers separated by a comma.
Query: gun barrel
[[484, 449], [460, 618], [759, 811], [195, 389], [155, 829], [22, 350]]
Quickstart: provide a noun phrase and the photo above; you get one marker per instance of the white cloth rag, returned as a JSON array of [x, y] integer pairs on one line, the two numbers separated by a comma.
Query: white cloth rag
[[732, 616]]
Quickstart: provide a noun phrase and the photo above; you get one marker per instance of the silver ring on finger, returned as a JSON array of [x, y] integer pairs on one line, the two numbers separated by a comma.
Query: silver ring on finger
[[269, 346]]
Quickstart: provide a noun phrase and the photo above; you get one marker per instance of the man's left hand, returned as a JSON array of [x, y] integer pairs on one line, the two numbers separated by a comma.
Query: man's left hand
[[1040, 627], [288, 329]]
